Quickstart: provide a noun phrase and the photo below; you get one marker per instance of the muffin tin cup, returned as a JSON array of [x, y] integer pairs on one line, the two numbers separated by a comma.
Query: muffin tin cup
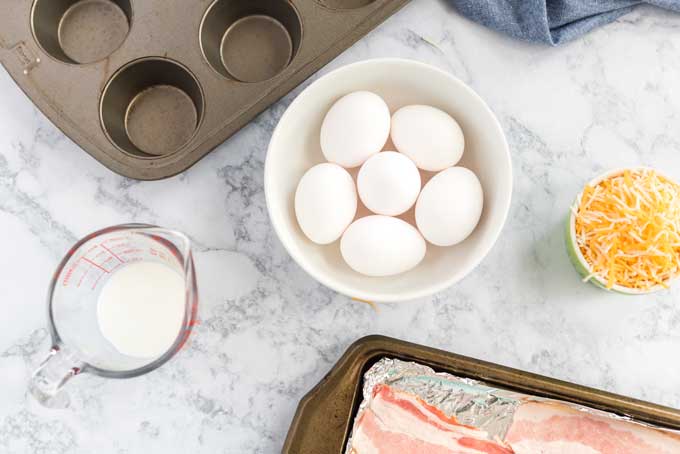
[[152, 107], [149, 87], [81, 31], [250, 40]]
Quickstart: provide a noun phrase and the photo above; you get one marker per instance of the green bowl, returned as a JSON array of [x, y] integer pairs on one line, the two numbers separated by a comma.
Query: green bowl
[[576, 256]]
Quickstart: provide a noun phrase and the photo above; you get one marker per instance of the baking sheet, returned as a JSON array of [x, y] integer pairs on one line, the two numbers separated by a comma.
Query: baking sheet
[[323, 421]]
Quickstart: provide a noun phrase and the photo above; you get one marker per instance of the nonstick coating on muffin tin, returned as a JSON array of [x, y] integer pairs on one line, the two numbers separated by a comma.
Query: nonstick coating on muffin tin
[[149, 87]]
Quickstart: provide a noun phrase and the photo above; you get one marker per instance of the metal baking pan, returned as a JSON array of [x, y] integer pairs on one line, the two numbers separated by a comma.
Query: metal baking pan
[[325, 415], [148, 87]]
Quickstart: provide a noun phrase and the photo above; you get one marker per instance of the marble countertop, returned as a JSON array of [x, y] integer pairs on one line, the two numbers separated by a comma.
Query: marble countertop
[[269, 332]]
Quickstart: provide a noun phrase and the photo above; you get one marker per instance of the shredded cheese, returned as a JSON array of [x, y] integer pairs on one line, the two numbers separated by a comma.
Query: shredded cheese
[[628, 229]]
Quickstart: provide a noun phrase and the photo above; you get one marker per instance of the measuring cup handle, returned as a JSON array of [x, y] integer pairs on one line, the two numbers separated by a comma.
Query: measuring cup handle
[[51, 376]]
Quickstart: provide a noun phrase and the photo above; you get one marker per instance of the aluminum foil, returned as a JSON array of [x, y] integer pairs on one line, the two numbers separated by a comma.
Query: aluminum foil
[[471, 402]]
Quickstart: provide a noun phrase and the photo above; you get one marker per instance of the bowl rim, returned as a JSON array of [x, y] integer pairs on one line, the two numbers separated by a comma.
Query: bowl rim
[[577, 250], [373, 296]]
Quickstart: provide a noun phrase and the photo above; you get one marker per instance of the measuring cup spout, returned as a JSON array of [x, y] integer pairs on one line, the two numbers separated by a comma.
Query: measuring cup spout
[[181, 245], [51, 376]]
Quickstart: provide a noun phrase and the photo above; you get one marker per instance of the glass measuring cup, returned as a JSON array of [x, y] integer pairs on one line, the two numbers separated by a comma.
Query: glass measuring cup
[[78, 345]]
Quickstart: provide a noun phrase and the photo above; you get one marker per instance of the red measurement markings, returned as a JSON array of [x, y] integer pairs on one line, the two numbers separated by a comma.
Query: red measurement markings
[[115, 238], [82, 278], [160, 254], [96, 281], [193, 321], [112, 253], [94, 264], [100, 275], [186, 333], [67, 276]]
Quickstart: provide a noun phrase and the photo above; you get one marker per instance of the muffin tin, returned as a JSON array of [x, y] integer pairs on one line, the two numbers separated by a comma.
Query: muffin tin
[[324, 418], [150, 87]]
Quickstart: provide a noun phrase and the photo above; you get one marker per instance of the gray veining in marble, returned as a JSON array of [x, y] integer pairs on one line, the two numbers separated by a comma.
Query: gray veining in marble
[[268, 332]]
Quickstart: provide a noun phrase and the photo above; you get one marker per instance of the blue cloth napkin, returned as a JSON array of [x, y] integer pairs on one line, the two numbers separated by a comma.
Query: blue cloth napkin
[[550, 21]]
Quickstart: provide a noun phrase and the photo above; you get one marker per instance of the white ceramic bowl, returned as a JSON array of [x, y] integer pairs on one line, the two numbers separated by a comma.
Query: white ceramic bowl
[[294, 148]]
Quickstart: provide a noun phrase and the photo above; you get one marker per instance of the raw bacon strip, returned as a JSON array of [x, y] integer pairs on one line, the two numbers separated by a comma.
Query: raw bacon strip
[[398, 422], [554, 428]]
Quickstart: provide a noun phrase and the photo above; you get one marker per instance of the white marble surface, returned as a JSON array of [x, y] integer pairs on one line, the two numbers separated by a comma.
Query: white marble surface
[[268, 331]]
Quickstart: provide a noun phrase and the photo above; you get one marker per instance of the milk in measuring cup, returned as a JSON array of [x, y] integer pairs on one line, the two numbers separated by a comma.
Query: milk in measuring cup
[[141, 308]]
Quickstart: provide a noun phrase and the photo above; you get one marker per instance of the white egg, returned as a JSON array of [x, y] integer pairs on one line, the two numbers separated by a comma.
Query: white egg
[[325, 202], [382, 246], [449, 206], [429, 136], [388, 183], [356, 127]]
